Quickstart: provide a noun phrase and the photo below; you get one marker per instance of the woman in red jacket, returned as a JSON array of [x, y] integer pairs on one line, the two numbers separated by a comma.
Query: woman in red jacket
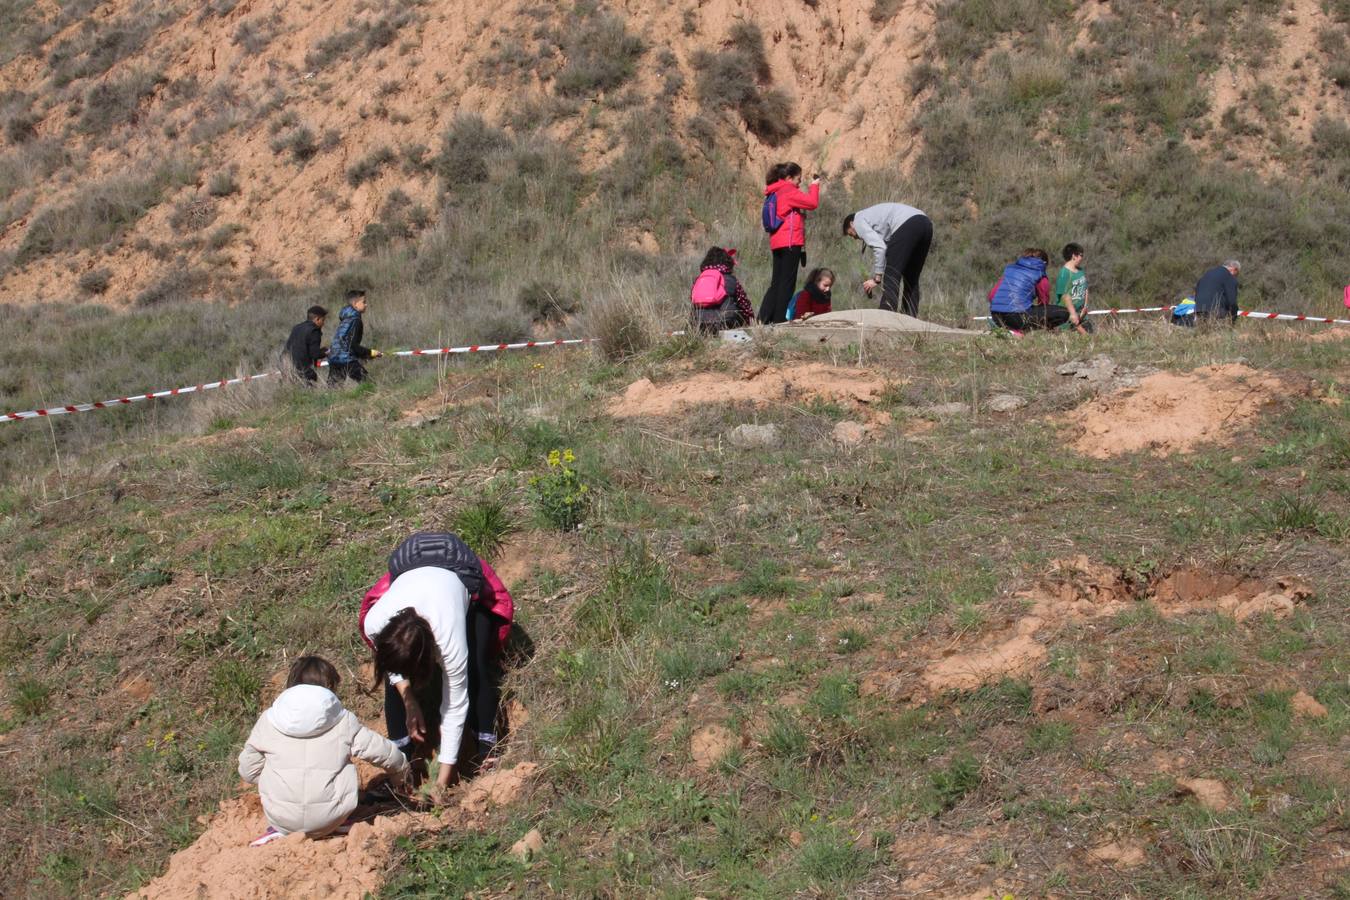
[[788, 239]]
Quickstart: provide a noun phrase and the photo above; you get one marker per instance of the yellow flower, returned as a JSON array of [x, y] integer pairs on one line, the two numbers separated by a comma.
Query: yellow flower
[[554, 458], [569, 456]]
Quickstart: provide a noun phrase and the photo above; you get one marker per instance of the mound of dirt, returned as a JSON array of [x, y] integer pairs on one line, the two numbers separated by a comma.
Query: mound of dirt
[[1189, 589], [708, 745], [757, 384], [855, 324], [1171, 412], [1080, 590], [220, 865]]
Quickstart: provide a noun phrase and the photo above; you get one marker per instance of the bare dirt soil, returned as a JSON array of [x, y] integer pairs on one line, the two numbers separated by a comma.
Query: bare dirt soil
[[220, 865], [1175, 413], [757, 384]]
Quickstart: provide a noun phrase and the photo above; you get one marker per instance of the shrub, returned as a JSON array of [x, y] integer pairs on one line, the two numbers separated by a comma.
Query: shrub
[[623, 321], [960, 777], [737, 78], [178, 284], [884, 10], [300, 143], [21, 128], [221, 237], [222, 184], [601, 56], [95, 281], [92, 52], [368, 167], [255, 34], [484, 526], [99, 214], [466, 149], [560, 496], [115, 102], [546, 302]]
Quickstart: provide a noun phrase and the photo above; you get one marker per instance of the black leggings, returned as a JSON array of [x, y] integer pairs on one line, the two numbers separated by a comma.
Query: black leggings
[[906, 253], [773, 308], [484, 686], [1043, 317]]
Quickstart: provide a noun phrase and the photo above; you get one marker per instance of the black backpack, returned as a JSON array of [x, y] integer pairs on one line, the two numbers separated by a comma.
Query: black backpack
[[442, 550]]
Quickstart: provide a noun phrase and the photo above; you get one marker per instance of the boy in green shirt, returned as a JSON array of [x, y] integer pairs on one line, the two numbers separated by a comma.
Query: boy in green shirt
[[1071, 289]]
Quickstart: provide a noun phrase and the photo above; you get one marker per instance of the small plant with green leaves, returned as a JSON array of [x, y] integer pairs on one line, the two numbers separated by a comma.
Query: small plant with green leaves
[[484, 526], [560, 496]]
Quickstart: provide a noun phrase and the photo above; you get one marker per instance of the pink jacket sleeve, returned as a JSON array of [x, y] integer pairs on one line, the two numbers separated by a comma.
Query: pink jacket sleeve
[[791, 198]]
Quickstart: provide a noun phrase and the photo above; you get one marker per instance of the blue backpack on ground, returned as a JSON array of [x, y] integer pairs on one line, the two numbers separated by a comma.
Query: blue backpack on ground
[[769, 214]]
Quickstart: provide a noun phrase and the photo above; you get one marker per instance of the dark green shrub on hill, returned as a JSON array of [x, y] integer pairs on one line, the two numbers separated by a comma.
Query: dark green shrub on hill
[[601, 55], [737, 78]]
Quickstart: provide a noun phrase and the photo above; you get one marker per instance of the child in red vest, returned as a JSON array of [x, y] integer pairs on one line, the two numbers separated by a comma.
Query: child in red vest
[[813, 299]]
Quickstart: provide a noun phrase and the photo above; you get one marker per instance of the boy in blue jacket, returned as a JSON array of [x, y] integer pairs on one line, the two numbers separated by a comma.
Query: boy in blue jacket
[[346, 353]]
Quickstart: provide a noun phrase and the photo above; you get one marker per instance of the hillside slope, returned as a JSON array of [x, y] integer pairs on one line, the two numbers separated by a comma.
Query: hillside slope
[[157, 151], [278, 106]]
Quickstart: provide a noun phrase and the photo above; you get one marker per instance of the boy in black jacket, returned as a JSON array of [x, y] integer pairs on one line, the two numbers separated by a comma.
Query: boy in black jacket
[[304, 346]]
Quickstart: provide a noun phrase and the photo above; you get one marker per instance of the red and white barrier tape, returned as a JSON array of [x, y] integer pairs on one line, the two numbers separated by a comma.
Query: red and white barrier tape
[[1245, 313], [226, 382]]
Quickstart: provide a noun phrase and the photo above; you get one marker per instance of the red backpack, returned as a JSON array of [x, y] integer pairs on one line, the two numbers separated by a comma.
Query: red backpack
[[709, 290]]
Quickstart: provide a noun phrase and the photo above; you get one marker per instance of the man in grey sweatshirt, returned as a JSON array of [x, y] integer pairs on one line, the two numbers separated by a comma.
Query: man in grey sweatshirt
[[899, 237]]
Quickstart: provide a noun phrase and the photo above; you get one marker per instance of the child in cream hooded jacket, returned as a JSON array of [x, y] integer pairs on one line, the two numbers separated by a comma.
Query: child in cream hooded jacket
[[299, 754]]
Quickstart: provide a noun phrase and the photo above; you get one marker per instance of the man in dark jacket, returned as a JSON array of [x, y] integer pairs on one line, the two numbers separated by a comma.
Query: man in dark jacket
[[304, 348], [344, 357], [1216, 292]]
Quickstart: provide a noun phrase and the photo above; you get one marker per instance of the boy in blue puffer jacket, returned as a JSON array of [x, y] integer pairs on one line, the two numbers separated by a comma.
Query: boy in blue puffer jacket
[[346, 353], [1013, 302]]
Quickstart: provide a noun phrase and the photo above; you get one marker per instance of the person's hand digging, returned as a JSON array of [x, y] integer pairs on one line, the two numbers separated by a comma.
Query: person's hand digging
[[869, 285], [417, 722]]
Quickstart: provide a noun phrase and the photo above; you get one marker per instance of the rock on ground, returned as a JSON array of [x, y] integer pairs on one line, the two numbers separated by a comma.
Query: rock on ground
[[850, 434], [750, 437], [528, 847], [1003, 403]]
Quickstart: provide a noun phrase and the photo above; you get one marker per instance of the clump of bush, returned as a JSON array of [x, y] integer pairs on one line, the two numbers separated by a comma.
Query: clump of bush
[[738, 78], [468, 146], [116, 101], [546, 302], [601, 56], [179, 283], [222, 184], [100, 213], [368, 167], [360, 36], [400, 220], [95, 281], [299, 142]]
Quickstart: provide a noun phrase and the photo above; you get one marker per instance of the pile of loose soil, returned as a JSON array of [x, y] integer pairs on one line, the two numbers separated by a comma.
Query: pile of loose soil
[[1174, 413], [220, 865], [1080, 590], [757, 384]]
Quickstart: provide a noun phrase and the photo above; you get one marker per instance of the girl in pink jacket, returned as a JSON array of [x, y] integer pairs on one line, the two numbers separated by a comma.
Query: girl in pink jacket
[[784, 206]]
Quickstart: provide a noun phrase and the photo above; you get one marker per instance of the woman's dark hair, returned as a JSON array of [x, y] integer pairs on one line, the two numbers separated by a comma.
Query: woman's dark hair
[[775, 173], [405, 647], [717, 256], [790, 170], [848, 220], [313, 670], [1038, 253], [815, 275]]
